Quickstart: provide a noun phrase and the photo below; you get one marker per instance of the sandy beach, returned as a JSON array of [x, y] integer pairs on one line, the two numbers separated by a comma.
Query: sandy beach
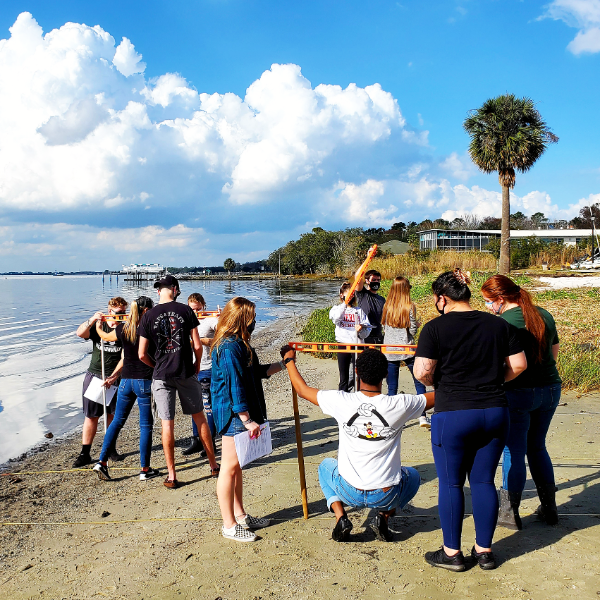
[[65, 534]]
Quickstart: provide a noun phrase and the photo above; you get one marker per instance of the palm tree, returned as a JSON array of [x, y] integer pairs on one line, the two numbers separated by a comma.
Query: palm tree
[[229, 265], [508, 134]]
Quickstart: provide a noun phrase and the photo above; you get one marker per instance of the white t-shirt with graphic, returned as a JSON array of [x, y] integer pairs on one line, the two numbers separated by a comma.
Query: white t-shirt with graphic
[[370, 430], [207, 329]]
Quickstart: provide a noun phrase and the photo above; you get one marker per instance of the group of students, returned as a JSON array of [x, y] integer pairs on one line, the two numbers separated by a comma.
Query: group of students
[[365, 317], [496, 390]]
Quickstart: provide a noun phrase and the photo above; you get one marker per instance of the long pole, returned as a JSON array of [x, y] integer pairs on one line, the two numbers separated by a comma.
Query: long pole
[[300, 453], [593, 236], [103, 380]]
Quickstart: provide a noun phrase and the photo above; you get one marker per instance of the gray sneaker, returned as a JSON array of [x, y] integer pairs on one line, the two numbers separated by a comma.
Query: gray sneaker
[[239, 534], [249, 522]]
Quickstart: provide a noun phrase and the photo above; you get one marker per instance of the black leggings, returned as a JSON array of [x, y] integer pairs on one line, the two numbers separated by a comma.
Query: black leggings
[[345, 360]]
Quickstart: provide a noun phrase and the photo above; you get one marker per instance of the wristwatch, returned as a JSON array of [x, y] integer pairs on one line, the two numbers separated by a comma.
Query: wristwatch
[[287, 360], [247, 421]]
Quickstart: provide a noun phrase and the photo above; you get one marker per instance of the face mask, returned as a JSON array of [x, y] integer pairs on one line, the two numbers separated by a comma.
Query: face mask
[[442, 313], [251, 326], [490, 306], [374, 286]]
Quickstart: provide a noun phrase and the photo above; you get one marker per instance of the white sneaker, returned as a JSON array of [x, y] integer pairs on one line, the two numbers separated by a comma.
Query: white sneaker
[[239, 534], [425, 422], [248, 522]]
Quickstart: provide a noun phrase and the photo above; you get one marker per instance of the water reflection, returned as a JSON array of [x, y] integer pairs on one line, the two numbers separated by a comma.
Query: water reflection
[[42, 361]]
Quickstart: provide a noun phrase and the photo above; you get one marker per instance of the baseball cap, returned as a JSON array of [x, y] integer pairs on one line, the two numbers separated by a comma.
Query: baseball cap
[[167, 281]]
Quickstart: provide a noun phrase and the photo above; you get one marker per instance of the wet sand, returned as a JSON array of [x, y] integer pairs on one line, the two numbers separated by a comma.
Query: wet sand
[[163, 544]]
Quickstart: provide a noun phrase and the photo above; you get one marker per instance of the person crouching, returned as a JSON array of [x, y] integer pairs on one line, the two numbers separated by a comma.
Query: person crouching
[[368, 472]]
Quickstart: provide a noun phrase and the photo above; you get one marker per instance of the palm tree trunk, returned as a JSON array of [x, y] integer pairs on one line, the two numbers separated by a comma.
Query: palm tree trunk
[[504, 266]]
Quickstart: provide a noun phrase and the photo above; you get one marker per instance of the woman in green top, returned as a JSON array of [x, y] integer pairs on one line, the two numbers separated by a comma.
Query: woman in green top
[[532, 399]]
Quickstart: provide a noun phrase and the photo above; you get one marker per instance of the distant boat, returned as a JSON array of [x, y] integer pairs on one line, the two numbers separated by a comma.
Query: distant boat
[[57, 274]]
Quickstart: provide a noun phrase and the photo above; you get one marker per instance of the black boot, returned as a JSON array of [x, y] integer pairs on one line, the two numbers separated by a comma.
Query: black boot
[[547, 511], [194, 447], [508, 514]]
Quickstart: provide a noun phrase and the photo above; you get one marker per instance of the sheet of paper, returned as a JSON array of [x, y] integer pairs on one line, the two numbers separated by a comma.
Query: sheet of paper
[[94, 391], [249, 449]]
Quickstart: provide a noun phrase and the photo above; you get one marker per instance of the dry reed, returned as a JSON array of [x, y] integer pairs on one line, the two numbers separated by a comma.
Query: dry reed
[[434, 262]]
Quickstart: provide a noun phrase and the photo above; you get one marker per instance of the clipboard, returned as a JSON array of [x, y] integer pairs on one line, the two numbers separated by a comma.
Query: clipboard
[[94, 391], [249, 449]]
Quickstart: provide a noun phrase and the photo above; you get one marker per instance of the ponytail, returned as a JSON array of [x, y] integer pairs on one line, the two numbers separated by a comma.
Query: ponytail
[[501, 286], [138, 307]]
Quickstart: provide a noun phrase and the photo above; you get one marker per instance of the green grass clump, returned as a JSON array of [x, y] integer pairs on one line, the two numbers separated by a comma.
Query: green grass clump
[[319, 328], [579, 367], [556, 295]]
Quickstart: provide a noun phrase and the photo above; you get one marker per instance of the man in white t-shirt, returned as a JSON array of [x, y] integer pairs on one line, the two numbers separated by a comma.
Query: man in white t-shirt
[[368, 472]]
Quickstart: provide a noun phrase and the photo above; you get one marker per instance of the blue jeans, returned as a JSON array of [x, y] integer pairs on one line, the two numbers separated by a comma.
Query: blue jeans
[[393, 373], [204, 379], [468, 442], [337, 489], [129, 390], [531, 410]]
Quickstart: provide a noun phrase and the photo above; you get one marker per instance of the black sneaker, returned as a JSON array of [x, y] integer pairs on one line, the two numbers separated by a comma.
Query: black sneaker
[[484, 559], [195, 447], [149, 474], [116, 457], [342, 529], [82, 460], [102, 472], [380, 529], [439, 558]]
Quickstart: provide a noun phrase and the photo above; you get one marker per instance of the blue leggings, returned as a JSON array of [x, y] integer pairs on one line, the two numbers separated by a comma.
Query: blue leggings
[[468, 442]]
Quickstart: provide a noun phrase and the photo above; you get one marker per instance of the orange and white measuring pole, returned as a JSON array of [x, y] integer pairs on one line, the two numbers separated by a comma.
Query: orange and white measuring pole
[[361, 272], [312, 348]]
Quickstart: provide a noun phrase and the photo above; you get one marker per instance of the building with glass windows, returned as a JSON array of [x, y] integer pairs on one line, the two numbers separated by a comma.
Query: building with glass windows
[[461, 240]]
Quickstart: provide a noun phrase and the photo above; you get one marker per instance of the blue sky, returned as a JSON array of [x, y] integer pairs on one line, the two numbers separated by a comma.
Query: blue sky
[[288, 166]]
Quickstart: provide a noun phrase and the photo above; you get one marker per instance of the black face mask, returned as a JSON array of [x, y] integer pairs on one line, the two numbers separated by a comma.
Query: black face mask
[[374, 286], [251, 327], [442, 313]]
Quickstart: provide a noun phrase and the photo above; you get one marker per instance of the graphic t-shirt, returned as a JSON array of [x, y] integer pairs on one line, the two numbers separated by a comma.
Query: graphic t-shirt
[[206, 329], [345, 319], [112, 352], [168, 327], [372, 305], [536, 374], [370, 429], [133, 367], [470, 348]]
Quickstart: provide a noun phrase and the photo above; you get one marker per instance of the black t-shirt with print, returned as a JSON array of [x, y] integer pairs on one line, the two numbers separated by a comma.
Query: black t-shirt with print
[[112, 352], [133, 367], [168, 327], [470, 348], [372, 305]]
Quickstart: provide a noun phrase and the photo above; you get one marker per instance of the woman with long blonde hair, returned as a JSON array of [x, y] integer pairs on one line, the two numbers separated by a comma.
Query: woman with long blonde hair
[[136, 381], [238, 404], [400, 321]]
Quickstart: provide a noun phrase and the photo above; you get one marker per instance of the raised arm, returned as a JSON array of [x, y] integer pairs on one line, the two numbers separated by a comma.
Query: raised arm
[[303, 390], [424, 369], [514, 365], [83, 331], [107, 337]]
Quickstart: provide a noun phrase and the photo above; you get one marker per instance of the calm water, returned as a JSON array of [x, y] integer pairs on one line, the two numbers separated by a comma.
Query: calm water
[[42, 361]]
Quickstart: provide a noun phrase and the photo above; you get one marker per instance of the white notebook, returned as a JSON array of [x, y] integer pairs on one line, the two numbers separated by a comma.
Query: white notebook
[[249, 449], [94, 391]]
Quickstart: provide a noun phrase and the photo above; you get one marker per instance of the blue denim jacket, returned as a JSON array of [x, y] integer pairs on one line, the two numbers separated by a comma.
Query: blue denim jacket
[[233, 384]]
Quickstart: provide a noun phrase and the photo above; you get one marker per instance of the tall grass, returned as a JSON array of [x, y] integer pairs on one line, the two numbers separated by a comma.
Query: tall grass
[[576, 312], [558, 255], [433, 262]]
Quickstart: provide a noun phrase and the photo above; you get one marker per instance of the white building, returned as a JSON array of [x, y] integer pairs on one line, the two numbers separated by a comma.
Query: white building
[[462, 240]]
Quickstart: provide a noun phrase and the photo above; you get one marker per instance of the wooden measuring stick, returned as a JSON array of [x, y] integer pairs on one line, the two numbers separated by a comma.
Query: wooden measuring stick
[[300, 453], [360, 273], [201, 314]]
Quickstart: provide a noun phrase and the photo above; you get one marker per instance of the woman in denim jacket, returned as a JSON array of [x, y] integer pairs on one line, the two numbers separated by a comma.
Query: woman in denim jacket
[[238, 405]]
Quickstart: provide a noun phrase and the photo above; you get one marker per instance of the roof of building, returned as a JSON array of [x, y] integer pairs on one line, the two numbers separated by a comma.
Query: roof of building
[[395, 247]]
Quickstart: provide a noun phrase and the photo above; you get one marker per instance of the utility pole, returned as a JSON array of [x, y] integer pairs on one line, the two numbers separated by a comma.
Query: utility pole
[[593, 236], [280, 263]]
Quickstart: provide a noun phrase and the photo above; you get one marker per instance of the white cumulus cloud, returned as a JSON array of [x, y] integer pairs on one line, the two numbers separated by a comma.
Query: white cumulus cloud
[[583, 15]]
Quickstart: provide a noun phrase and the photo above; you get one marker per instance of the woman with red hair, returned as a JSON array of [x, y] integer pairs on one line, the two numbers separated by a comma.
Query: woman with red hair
[[532, 400]]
